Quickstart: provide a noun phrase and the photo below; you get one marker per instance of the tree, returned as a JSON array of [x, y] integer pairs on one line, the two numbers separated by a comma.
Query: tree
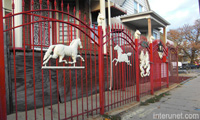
[[187, 39]]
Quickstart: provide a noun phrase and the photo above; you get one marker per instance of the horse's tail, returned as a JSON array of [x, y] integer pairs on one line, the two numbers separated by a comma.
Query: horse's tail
[[129, 54], [48, 52]]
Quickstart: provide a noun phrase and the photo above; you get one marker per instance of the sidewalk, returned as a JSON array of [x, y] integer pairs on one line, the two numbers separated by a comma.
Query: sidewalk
[[183, 102]]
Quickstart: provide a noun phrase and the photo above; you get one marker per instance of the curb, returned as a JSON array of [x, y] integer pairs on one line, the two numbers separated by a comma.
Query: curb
[[123, 109]]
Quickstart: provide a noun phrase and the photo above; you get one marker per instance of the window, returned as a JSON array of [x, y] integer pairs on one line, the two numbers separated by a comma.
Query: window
[[155, 35], [67, 32], [95, 28], [140, 8], [135, 7]]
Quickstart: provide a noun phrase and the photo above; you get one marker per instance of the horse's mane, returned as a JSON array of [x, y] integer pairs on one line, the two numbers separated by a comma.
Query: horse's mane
[[74, 41], [120, 48]]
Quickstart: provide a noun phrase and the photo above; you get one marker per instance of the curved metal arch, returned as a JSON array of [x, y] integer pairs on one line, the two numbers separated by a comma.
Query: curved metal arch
[[164, 50], [54, 20], [174, 50], [139, 48], [156, 46], [119, 37], [117, 31], [65, 13]]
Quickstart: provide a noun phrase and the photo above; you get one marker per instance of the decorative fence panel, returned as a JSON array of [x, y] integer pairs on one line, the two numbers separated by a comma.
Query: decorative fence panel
[[64, 91], [173, 65], [144, 58], [160, 65], [120, 89]]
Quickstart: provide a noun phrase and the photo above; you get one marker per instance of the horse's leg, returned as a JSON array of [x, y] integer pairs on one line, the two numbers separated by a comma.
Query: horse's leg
[[74, 60], [80, 57], [114, 59], [129, 63], [50, 56], [45, 62], [116, 62], [61, 59]]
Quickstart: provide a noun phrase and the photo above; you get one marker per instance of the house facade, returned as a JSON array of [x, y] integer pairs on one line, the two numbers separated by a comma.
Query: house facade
[[134, 14]]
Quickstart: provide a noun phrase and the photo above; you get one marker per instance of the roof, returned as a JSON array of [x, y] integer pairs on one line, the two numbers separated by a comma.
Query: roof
[[119, 2], [116, 9], [148, 4], [139, 20]]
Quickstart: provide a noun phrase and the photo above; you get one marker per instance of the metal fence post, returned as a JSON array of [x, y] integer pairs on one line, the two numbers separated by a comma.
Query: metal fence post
[[167, 68], [137, 70], [101, 75], [3, 114], [151, 69], [177, 65]]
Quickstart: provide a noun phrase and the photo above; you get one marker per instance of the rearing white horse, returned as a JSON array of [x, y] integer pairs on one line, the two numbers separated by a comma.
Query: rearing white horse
[[61, 50], [121, 57]]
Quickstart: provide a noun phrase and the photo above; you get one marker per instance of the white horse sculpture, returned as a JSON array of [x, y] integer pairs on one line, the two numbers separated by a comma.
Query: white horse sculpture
[[62, 50], [100, 19], [151, 39], [137, 34], [121, 57]]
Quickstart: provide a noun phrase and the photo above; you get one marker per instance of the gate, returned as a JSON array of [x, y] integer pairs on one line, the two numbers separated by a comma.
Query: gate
[[50, 93], [173, 63], [120, 83], [160, 65]]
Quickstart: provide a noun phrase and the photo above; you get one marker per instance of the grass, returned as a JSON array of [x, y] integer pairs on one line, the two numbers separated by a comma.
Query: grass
[[111, 117], [154, 99]]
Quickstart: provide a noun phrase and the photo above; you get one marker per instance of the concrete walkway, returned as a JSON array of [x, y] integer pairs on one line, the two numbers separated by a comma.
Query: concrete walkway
[[183, 103]]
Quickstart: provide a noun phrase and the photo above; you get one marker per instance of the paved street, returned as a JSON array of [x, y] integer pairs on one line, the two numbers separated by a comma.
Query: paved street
[[182, 103]]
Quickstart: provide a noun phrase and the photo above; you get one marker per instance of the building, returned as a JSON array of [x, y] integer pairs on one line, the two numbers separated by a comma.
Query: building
[[134, 14]]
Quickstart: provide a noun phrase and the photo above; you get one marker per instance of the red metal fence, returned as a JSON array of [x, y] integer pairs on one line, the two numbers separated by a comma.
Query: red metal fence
[[65, 93]]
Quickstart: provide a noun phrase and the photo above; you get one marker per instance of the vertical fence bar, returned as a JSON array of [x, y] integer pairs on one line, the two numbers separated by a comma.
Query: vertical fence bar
[[167, 62], [3, 114], [137, 70], [24, 49], [100, 59], [151, 67], [14, 60], [177, 65]]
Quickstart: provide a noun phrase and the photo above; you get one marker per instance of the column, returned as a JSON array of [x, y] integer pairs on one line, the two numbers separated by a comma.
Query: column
[[103, 12], [18, 21], [149, 28], [164, 35]]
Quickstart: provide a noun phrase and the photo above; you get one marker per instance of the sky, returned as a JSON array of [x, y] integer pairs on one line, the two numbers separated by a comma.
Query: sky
[[176, 12]]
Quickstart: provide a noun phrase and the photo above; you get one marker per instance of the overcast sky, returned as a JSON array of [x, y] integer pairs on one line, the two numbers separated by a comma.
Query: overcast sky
[[176, 12]]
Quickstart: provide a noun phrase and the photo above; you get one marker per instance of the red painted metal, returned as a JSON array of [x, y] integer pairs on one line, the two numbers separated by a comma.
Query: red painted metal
[[151, 69], [86, 92], [3, 115], [137, 71], [101, 78], [167, 62]]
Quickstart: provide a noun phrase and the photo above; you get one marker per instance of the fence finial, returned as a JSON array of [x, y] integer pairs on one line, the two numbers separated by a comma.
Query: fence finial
[[137, 34], [151, 39], [100, 18]]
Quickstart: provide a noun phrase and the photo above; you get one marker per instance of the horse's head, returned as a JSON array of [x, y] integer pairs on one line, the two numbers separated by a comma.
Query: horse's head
[[116, 47], [100, 19], [79, 43], [76, 41], [151, 39], [137, 34]]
